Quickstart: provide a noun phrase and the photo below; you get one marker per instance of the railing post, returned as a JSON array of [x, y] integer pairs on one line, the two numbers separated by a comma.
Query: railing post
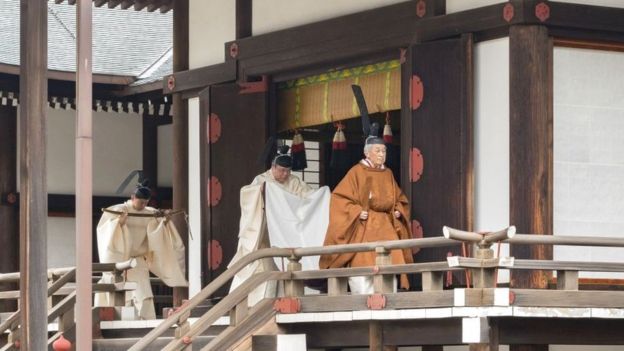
[[432, 281], [65, 320], [383, 283], [293, 288], [484, 277], [118, 297], [239, 312], [337, 286], [567, 280], [182, 329]]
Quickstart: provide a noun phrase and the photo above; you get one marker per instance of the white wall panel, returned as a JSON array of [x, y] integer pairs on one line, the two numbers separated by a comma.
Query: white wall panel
[[211, 24], [491, 116], [165, 155], [463, 5], [588, 150], [194, 198]]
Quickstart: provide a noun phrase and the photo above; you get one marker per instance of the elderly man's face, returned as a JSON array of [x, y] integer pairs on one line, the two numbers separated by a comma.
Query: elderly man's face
[[377, 154], [280, 173]]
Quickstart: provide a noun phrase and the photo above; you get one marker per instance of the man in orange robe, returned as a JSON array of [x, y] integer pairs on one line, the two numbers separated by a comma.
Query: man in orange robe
[[366, 206]]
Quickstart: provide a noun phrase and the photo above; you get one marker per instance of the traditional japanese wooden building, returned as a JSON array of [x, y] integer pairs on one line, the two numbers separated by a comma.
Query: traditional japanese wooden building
[[502, 112]]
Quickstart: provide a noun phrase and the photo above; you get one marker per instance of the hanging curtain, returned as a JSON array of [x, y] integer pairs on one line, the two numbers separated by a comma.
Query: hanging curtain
[[327, 97]]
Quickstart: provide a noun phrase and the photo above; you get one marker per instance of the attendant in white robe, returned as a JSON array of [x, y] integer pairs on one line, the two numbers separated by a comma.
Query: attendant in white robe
[[253, 230], [153, 241]]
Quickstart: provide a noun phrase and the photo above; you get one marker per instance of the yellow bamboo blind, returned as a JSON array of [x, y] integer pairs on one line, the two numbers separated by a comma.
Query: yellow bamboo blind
[[327, 97]]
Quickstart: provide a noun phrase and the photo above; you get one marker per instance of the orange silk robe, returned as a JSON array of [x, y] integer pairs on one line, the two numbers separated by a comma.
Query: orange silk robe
[[381, 195]]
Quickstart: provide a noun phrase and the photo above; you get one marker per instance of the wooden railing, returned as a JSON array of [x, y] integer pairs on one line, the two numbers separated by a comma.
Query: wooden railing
[[64, 307], [483, 266]]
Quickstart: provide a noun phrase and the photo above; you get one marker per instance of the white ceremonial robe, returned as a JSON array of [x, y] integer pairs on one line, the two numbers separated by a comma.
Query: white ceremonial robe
[[157, 247], [253, 235]]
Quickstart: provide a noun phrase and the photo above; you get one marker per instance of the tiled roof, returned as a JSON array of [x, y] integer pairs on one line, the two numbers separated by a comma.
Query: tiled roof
[[125, 43]]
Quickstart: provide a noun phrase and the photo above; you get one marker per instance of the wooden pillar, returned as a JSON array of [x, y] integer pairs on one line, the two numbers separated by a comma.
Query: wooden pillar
[[180, 129], [84, 177], [150, 149], [9, 214], [33, 179], [531, 153], [243, 18]]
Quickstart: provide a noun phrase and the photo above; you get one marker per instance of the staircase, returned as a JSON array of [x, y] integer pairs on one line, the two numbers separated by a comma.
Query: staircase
[[481, 315]]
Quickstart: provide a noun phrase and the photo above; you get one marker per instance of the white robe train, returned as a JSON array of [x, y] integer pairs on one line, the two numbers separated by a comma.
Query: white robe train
[[253, 233]]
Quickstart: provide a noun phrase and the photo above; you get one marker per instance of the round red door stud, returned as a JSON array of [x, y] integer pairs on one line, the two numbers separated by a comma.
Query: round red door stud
[[171, 82], [234, 50], [214, 191], [214, 128], [417, 164], [417, 92], [542, 11], [417, 233], [215, 255], [508, 12], [421, 9]]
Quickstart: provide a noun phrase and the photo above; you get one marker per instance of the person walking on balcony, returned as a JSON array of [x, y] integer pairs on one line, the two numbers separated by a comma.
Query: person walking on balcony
[[253, 233], [367, 205], [135, 230]]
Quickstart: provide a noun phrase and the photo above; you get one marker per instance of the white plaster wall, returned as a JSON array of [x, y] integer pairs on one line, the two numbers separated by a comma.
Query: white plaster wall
[[61, 242], [194, 198], [491, 118], [117, 149], [211, 24], [453, 6], [609, 3], [272, 15], [165, 155], [588, 151]]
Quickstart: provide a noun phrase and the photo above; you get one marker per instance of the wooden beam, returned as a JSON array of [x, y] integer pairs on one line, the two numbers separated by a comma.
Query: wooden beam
[[589, 44], [567, 331], [9, 215], [33, 180], [531, 137], [180, 129], [201, 77], [244, 16]]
